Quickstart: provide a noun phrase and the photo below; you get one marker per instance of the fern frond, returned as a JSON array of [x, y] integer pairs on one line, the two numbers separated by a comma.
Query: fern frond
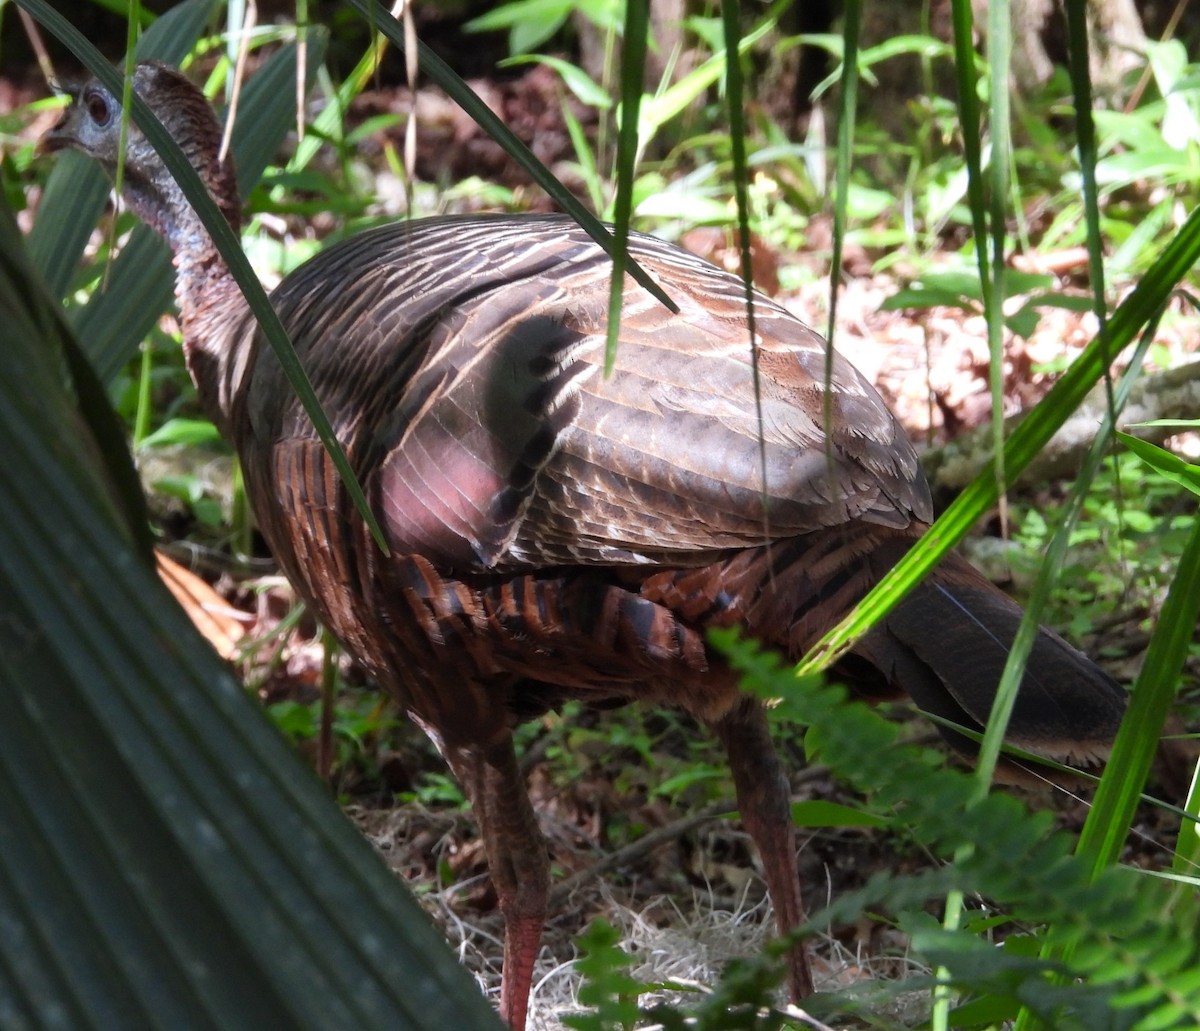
[[1134, 955]]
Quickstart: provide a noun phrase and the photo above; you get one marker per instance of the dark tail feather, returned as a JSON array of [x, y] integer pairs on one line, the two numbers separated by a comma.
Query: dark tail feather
[[946, 645]]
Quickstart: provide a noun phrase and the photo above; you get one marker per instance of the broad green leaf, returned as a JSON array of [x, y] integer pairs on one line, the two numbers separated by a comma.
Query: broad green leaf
[[173, 34], [582, 85], [1129, 129], [928, 297], [681, 781], [529, 22], [1161, 163], [819, 813], [138, 286], [182, 431], [989, 1011], [1068, 302], [923, 46], [1023, 322], [962, 288], [72, 201]]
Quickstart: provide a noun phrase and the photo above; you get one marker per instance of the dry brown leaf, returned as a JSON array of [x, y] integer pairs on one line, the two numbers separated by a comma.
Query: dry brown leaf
[[212, 615]]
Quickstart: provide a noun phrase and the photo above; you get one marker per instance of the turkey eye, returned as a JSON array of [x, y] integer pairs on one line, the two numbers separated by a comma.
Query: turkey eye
[[97, 108]]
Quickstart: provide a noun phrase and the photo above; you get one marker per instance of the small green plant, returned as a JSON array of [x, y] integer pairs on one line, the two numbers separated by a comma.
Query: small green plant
[[363, 725], [438, 790], [960, 288], [193, 491], [530, 23], [607, 987], [1121, 554], [743, 1000]]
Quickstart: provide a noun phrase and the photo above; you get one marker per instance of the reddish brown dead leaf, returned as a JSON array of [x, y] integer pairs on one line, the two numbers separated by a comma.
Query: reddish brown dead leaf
[[212, 615]]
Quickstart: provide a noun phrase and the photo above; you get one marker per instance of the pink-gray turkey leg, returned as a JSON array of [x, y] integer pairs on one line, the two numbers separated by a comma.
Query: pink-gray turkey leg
[[765, 804], [517, 861]]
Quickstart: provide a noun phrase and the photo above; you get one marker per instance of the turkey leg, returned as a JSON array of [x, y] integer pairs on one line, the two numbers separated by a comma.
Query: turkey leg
[[517, 860], [765, 803]]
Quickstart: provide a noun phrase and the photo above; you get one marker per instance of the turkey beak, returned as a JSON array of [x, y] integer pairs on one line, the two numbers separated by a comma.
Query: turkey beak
[[63, 134]]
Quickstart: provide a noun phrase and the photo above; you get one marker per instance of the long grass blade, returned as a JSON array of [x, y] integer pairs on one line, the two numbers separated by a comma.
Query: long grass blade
[[847, 111], [967, 79], [633, 70], [1117, 797], [734, 90]]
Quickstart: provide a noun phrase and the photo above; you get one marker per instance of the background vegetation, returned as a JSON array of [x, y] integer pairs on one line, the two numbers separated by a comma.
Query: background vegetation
[[133, 764]]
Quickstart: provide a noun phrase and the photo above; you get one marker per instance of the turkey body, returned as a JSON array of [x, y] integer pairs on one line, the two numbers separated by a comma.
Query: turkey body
[[557, 532], [554, 531]]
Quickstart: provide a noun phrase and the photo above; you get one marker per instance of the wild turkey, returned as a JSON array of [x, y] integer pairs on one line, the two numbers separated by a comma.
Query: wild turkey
[[557, 533]]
